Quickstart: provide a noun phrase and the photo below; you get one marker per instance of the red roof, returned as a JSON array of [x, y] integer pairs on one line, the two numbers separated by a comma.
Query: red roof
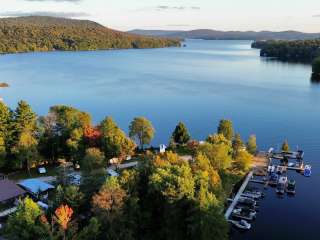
[[9, 190]]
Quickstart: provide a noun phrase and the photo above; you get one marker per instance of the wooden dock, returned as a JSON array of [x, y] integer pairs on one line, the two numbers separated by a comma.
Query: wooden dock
[[236, 198]]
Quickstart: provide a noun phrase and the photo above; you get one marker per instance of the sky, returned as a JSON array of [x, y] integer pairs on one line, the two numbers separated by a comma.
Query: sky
[[242, 15]]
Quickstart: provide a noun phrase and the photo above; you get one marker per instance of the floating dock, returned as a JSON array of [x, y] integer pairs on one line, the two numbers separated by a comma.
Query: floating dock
[[239, 193]]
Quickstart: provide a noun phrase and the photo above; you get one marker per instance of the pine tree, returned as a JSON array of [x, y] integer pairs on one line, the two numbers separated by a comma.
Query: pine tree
[[181, 134], [225, 127]]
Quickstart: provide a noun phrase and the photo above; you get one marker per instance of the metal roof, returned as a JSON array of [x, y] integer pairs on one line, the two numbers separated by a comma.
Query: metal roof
[[9, 190], [35, 185]]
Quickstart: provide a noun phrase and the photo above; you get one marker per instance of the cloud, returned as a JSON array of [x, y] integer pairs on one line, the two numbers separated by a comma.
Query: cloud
[[44, 13], [166, 7], [73, 1]]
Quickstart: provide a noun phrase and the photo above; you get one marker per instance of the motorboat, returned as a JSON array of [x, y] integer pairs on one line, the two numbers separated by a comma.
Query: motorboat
[[247, 201], [253, 194], [281, 185], [242, 224], [291, 187], [273, 179]]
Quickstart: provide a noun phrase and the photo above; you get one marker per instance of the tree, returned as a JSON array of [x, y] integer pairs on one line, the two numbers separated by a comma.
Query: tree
[[142, 130], [237, 144], [252, 144], [285, 146], [63, 216], [316, 69], [226, 129], [110, 199], [90, 232], [69, 195], [174, 181], [115, 143], [23, 224], [25, 120], [94, 159], [243, 161], [218, 154], [218, 139], [5, 120], [70, 124], [181, 134], [26, 150], [3, 153]]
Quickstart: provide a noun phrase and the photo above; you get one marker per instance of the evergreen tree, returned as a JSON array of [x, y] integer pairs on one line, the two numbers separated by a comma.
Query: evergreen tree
[[181, 134], [226, 129], [237, 144]]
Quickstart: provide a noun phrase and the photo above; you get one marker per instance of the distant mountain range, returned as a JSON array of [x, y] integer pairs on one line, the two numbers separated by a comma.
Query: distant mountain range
[[228, 35], [36, 33]]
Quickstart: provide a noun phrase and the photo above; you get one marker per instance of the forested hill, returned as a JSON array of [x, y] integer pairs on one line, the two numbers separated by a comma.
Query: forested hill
[[299, 51], [26, 34], [209, 34]]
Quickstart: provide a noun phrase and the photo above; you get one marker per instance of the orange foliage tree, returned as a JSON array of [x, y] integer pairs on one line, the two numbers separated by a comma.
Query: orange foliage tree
[[63, 217]]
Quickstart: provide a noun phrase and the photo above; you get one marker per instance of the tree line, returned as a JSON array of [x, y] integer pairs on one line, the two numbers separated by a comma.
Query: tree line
[[307, 51], [166, 197], [29, 34]]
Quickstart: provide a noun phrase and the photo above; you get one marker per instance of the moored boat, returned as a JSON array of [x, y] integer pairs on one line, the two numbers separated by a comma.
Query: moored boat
[[242, 224], [291, 187]]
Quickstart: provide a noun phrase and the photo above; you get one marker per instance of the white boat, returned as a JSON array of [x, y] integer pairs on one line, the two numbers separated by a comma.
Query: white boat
[[242, 224], [247, 201], [254, 194], [239, 213], [281, 186]]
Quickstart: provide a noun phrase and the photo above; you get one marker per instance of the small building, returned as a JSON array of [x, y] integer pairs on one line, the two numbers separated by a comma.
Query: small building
[[36, 188], [10, 192], [162, 148]]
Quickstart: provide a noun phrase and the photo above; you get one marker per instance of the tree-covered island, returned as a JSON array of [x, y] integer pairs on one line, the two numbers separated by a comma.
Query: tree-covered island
[[306, 51], [170, 195]]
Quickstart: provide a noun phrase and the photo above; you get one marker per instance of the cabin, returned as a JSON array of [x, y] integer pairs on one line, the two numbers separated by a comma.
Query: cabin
[[10, 193], [36, 188]]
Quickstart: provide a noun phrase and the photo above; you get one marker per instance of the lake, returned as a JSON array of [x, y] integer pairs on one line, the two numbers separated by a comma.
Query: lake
[[199, 85]]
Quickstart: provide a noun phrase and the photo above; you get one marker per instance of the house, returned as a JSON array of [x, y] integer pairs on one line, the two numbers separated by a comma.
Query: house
[[162, 148], [36, 188], [10, 192]]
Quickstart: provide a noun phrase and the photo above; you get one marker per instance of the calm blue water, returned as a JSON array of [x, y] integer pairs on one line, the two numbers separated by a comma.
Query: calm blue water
[[199, 84]]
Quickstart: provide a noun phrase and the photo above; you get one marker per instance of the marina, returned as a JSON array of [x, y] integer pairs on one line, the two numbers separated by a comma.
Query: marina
[[245, 204]]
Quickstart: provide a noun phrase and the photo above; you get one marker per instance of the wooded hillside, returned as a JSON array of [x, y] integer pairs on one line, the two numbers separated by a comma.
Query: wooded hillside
[[26, 34]]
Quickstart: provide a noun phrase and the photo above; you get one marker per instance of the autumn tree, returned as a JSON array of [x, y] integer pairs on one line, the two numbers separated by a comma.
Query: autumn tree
[[218, 154], [285, 146], [108, 202], [252, 145], [23, 224], [181, 134], [243, 161], [94, 159], [115, 143], [142, 130], [63, 215], [226, 128]]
